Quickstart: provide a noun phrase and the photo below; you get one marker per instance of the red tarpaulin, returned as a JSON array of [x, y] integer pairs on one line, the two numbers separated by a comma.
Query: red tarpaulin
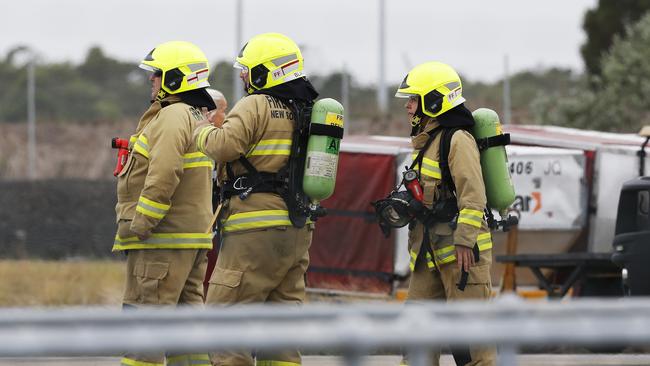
[[348, 251]]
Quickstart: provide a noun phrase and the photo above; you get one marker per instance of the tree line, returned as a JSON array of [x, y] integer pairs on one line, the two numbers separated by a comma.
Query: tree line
[[102, 88], [613, 93]]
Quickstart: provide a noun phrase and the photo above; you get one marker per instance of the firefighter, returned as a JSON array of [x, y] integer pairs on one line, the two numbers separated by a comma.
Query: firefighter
[[217, 116], [163, 193], [264, 257], [441, 251]]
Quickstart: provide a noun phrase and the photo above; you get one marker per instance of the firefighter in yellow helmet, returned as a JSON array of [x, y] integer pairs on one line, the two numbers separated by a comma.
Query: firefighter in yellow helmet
[[446, 159], [217, 116], [164, 191], [264, 253]]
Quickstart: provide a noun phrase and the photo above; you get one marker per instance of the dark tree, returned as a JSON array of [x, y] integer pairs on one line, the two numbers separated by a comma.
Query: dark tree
[[609, 18]]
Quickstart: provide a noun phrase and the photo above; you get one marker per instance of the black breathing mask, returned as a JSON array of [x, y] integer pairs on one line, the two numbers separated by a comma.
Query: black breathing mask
[[397, 210]]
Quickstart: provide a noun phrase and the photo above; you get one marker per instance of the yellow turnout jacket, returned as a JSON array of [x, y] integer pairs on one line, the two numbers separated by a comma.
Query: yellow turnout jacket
[[465, 168], [165, 187]]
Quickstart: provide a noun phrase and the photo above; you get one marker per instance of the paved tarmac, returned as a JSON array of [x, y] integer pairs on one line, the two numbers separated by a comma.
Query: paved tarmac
[[523, 360]]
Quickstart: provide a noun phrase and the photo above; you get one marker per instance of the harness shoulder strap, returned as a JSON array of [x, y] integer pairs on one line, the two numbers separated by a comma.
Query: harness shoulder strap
[[418, 159], [296, 200], [445, 147], [443, 161]]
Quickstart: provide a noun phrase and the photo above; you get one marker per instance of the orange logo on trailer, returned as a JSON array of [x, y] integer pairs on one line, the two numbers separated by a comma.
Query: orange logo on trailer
[[537, 196], [532, 203]]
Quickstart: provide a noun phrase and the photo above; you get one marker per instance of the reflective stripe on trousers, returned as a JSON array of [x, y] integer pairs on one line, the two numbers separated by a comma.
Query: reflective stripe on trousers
[[448, 254], [275, 363], [195, 359], [131, 362], [414, 256], [257, 220]]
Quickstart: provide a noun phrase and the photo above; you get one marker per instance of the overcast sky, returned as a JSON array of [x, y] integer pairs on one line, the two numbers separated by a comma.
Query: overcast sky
[[471, 35]]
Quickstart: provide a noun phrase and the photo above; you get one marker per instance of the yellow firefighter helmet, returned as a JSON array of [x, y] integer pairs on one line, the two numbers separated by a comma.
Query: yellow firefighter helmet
[[437, 85], [182, 65], [270, 59]]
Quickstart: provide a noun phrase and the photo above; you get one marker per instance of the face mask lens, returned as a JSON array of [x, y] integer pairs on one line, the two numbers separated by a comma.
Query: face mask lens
[[391, 215]]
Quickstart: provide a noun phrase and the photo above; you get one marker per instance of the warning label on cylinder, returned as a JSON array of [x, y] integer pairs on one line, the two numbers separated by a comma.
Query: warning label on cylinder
[[320, 164], [334, 119]]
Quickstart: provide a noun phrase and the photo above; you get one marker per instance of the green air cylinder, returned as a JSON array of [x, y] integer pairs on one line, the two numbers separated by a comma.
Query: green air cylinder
[[322, 158], [494, 162]]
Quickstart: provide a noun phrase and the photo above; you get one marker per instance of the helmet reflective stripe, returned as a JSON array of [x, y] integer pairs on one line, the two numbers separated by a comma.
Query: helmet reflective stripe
[[200, 66], [453, 85], [198, 70], [193, 78], [283, 60], [282, 71]]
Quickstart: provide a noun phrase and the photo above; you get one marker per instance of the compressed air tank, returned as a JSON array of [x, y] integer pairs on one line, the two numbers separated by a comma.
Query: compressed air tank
[[494, 162], [322, 158]]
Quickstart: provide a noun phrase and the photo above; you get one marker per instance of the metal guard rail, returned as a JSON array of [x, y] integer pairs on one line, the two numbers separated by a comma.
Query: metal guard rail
[[354, 329]]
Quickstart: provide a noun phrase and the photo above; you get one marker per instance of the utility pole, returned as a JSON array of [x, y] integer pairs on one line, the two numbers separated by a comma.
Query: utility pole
[[382, 96], [506, 91], [31, 118], [345, 91], [236, 82]]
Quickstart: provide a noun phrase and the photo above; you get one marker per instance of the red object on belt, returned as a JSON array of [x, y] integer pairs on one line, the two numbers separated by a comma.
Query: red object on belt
[[413, 184], [122, 147]]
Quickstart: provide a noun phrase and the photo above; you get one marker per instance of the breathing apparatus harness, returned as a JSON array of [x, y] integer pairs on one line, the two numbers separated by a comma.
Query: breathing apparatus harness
[[287, 182]]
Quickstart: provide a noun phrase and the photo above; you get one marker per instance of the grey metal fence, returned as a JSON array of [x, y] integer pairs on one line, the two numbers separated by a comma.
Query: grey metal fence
[[354, 330]]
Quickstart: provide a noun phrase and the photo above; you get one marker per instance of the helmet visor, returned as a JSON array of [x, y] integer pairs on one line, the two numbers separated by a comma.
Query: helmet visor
[[400, 94], [240, 66], [155, 70], [402, 86]]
